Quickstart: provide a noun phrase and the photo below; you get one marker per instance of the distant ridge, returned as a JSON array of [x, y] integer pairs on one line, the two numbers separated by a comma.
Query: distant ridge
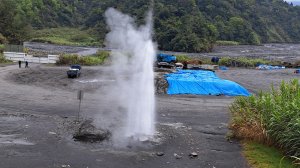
[[179, 25]]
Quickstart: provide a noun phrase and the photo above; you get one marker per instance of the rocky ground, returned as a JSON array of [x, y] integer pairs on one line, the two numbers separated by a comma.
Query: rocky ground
[[39, 107], [283, 52], [43, 49]]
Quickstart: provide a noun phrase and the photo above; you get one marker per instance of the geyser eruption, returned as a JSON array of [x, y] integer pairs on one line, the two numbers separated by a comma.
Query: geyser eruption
[[133, 55]]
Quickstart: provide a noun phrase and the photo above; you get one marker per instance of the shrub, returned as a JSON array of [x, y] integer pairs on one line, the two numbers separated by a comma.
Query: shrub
[[2, 47], [68, 59], [3, 40], [3, 59], [242, 61], [189, 60], [183, 58], [227, 43], [272, 118], [97, 59]]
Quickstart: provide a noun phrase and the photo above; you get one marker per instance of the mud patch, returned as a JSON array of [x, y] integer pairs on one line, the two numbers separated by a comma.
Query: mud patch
[[12, 131], [14, 139]]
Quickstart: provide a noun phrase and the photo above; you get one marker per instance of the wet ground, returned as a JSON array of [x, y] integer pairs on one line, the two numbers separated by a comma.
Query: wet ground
[[39, 107]]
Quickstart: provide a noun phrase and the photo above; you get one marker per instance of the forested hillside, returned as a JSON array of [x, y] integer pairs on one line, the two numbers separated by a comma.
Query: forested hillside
[[180, 25]]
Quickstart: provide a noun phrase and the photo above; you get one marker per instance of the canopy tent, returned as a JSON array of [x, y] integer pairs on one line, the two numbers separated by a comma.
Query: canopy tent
[[201, 82]]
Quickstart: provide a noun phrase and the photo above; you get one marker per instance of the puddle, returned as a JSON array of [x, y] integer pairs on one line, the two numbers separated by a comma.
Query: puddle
[[11, 119], [95, 81], [12, 131], [13, 140], [175, 125]]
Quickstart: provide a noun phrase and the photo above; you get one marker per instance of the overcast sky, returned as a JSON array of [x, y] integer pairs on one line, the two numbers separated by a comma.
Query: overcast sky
[[295, 2]]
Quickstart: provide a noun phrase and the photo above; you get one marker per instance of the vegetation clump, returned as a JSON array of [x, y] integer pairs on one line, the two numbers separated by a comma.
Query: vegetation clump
[[226, 61], [183, 58], [242, 61], [3, 59], [270, 118], [2, 47], [262, 156], [97, 59], [3, 40], [227, 43]]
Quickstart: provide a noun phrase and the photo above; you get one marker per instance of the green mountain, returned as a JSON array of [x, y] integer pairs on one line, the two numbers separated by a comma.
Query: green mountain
[[180, 25]]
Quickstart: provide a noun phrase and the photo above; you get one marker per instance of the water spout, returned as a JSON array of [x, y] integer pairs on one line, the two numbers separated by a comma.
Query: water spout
[[133, 57]]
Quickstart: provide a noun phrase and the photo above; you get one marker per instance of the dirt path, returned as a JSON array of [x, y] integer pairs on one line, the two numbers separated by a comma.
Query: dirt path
[[58, 49], [38, 107]]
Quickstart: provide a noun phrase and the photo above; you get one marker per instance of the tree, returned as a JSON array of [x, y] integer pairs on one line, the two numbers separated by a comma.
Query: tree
[[12, 25]]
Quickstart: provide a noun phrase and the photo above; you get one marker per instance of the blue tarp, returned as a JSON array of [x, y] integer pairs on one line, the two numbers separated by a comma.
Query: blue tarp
[[224, 68], [200, 82], [166, 58]]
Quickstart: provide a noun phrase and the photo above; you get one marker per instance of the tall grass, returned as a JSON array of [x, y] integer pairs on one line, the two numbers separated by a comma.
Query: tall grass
[[227, 61], [183, 58], [272, 118], [97, 59], [227, 43], [242, 61]]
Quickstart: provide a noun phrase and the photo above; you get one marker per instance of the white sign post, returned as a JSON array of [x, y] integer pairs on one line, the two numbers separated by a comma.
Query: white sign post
[[79, 97]]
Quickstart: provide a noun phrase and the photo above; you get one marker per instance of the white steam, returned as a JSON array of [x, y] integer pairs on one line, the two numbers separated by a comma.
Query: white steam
[[133, 55]]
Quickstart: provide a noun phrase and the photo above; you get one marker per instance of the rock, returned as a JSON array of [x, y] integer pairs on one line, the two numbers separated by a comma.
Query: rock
[[52, 133], [193, 155], [160, 154], [89, 133], [177, 156], [161, 84], [65, 166]]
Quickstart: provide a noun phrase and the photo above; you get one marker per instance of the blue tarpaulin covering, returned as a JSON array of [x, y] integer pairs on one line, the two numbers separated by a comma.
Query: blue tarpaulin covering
[[166, 58], [200, 82], [224, 68]]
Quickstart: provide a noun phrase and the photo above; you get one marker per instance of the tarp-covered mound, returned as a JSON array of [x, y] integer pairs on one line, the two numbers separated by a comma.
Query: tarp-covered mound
[[202, 82]]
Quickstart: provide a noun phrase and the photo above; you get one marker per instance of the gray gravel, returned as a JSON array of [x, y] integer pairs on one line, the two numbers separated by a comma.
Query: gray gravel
[[44, 48], [38, 109], [283, 52]]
